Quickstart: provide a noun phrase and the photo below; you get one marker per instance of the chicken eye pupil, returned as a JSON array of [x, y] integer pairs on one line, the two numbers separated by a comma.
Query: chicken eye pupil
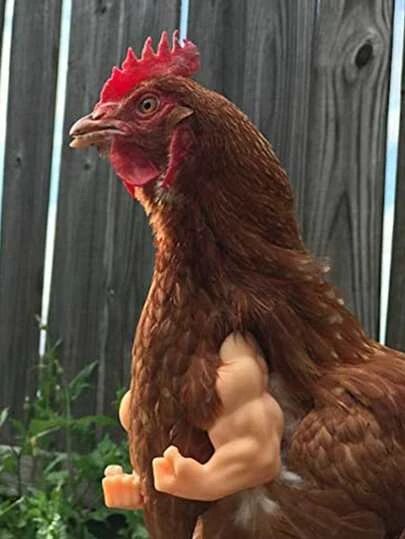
[[148, 104]]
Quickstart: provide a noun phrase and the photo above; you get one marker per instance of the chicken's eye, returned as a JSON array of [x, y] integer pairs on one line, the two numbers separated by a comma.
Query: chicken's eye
[[148, 104]]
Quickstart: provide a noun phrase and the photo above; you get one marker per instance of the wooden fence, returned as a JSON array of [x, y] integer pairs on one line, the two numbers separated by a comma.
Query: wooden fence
[[313, 75]]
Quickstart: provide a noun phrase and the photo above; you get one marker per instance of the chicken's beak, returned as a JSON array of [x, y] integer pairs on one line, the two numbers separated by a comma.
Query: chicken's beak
[[97, 130]]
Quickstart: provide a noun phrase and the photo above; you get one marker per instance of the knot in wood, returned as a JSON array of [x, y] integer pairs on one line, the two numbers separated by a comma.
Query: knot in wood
[[364, 55], [102, 7]]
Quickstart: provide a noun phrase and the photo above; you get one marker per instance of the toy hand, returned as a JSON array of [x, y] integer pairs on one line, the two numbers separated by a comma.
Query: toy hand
[[121, 490], [177, 475]]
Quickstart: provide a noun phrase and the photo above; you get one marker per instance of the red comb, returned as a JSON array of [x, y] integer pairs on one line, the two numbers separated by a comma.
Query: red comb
[[177, 60]]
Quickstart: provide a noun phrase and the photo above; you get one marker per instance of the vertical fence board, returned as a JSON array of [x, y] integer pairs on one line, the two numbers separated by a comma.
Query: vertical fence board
[[342, 198], [313, 76], [396, 309], [32, 87], [2, 6], [103, 256]]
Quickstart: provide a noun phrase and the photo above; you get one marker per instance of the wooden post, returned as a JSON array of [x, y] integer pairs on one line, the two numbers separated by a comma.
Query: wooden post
[[396, 309], [33, 70], [2, 7]]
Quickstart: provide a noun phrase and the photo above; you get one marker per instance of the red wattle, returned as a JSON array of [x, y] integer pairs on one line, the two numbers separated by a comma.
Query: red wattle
[[131, 165]]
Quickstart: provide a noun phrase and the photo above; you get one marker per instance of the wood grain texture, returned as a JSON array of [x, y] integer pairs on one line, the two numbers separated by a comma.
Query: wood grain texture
[[342, 198], [103, 257], [396, 308], [32, 89], [2, 6], [313, 76]]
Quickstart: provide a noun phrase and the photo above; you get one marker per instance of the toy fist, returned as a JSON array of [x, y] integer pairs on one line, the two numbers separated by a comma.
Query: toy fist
[[121, 490]]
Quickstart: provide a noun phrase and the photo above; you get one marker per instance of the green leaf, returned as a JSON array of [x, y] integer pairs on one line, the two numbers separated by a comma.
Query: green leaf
[[42, 427], [34, 439], [3, 416], [59, 459], [98, 420], [80, 381], [8, 506], [18, 426]]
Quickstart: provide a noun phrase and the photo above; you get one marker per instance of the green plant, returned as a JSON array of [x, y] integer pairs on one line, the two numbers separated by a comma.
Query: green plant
[[50, 477]]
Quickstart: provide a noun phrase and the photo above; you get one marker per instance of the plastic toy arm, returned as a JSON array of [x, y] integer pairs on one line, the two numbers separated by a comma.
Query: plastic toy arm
[[246, 437], [122, 490]]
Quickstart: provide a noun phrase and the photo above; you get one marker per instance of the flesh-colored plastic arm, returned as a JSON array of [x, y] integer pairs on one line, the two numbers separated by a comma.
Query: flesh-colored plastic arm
[[246, 437], [122, 490]]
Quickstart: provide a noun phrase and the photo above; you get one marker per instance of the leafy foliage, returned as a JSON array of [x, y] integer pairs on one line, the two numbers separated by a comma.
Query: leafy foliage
[[50, 478]]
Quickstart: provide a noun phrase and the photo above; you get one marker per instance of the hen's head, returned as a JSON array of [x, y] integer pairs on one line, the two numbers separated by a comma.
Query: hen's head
[[140, 121], [177, 145]]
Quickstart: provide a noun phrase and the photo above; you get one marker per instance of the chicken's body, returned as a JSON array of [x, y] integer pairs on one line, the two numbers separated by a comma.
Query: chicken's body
[[348, 447], [229, 258]]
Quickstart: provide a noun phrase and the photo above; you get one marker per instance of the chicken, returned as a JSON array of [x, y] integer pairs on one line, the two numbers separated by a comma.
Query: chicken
[[230, 258]]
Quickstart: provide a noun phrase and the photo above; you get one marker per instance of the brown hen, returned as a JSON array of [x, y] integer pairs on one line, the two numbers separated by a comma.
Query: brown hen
[[229, 257]]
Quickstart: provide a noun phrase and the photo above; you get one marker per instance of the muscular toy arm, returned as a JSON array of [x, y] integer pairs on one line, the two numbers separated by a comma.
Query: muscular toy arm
[[246, 437]]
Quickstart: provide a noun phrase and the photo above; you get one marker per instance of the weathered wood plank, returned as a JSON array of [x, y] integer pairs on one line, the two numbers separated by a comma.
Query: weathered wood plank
[[2, 6], [32, 89], [103, 257], [313, 76], [396, 308], [342, 198]]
